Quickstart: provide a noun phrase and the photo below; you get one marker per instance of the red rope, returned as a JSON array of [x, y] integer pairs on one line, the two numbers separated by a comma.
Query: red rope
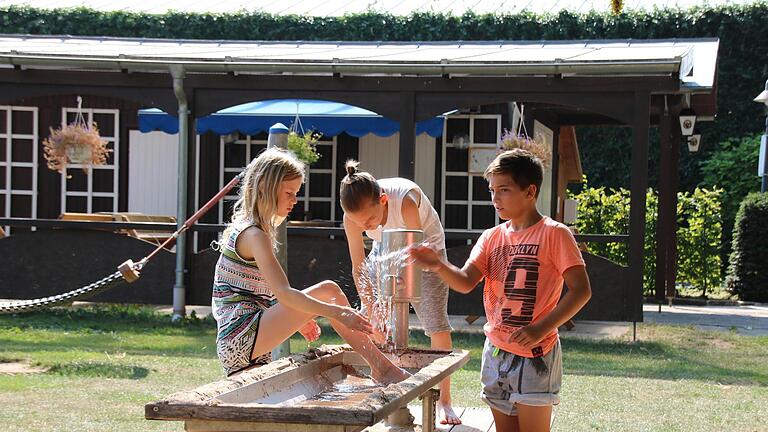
[[192, 219]]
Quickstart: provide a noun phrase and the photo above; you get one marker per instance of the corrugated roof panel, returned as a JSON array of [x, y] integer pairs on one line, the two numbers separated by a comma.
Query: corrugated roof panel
[[435, 58]]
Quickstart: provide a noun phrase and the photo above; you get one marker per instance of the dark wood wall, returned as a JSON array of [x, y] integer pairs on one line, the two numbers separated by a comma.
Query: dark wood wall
[[49, 116]]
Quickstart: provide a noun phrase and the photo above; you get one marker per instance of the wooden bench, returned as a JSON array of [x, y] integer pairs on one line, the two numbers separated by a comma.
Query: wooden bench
[[151, 236], [88, 217]]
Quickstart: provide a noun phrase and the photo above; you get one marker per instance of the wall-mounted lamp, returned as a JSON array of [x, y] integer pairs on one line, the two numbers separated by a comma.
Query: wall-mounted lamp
[[694, 141], [687, 121], [460, 141]]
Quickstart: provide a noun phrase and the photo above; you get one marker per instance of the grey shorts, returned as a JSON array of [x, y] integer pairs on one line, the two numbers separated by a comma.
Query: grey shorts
[[508, 379], [432, 310]]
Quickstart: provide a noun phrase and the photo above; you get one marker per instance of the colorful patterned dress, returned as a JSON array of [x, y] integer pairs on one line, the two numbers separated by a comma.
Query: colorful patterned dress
[[240, 296]]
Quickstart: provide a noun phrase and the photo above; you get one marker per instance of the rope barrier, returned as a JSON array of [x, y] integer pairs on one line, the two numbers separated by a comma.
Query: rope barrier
[[127, 271]]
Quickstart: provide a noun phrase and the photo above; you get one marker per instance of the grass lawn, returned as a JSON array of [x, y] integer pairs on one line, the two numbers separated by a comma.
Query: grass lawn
[[107, 362]]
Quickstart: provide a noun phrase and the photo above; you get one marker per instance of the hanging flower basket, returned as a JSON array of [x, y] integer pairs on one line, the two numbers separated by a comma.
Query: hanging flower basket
[[304, 146], [511, 140], [75, 143]]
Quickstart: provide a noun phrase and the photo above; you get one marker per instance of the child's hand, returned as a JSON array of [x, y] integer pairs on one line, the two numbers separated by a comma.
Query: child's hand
[[310, 331], [354, 320], [425, 257], [529, 336]]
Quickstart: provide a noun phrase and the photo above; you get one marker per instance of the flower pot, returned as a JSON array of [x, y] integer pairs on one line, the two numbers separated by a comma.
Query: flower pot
[[78, 154]]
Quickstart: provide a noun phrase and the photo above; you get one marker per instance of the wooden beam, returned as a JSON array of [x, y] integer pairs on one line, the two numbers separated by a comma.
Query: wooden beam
[[407, 156]]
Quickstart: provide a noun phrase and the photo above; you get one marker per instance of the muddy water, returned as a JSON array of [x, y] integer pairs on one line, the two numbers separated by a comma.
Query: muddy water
[[351, 389]]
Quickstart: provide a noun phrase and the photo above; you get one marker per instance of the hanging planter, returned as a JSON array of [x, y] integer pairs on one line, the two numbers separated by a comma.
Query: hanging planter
[[75, 143], [510, 140], [304, 146], [303, 143]]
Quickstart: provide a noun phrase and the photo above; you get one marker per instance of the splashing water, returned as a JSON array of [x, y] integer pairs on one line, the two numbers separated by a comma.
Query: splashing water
[[371, 276]]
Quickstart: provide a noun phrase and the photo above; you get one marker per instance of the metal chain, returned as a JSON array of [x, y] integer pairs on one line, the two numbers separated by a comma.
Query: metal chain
[[21, 306]]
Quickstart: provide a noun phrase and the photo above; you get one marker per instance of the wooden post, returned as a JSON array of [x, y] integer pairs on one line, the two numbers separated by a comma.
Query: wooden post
[[639, 184], [665, 189], [555, 164], [671, 267], [407, 155], [428, 409]]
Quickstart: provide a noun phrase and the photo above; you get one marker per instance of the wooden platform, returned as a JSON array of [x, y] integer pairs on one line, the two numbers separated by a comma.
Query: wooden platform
[[474, 420]]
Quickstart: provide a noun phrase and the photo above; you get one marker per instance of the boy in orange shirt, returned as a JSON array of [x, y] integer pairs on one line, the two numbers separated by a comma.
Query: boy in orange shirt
[[524, 263]]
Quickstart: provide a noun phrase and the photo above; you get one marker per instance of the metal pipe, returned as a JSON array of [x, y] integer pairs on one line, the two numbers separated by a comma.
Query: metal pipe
[[401, 316], [401, 282], [179, 291]]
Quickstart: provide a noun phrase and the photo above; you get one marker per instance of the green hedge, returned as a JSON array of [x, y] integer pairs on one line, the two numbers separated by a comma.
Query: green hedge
[[603, 210], [748, 264]]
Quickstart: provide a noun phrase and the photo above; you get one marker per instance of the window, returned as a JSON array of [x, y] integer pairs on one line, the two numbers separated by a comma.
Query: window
[[96, 188], [317, 195], [18, 162], [466, 202]]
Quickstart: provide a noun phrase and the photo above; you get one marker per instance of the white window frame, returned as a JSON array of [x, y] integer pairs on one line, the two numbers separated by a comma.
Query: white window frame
[[115, 166], [469, 202], [332, 171], [248, 140], [9, 164]]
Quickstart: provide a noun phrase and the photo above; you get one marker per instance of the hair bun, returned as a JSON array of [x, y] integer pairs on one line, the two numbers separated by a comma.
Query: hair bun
[[351, 167]]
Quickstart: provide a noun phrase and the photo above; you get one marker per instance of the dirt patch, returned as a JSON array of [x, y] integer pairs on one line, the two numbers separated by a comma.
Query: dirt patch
[[19, 368]]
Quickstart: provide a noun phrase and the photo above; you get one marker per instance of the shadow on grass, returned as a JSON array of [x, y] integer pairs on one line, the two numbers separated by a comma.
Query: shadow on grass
[[99, 370], [90, 344], [109, 317], [662, 361]]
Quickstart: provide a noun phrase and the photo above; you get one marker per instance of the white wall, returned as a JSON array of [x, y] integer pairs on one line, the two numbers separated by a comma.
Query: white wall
[[152, 172], [379, 156]]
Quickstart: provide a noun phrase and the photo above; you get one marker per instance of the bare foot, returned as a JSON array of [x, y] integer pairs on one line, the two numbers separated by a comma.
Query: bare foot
[[449, 416], [390, 376]]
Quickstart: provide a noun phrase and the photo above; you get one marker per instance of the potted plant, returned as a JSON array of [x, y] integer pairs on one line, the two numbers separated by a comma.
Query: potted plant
[[75, 143], [511, 140], [304, 146]]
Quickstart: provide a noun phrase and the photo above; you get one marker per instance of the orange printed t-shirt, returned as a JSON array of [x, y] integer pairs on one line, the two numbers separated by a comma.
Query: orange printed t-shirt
[[523, 273]]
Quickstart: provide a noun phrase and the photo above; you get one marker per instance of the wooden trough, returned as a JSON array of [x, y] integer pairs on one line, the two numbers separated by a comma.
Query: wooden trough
[[322, 390]]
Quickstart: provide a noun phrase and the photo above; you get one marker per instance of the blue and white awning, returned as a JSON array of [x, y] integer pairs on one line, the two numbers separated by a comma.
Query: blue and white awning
[[328, 118]]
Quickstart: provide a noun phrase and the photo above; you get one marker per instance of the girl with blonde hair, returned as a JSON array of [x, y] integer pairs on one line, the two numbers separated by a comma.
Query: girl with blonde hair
[[255, 307]]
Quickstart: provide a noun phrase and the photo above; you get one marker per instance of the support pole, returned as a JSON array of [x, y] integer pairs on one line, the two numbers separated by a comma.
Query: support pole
[[639, 184], [278, 137], [665, 190], [179, 290]]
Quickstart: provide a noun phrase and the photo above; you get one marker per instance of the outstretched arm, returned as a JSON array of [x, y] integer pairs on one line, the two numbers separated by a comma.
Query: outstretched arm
[[254, 243], [462, 280]]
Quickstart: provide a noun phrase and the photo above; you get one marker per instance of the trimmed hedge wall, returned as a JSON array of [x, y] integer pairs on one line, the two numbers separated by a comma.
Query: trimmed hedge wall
[[741, 29], [748, 267]]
